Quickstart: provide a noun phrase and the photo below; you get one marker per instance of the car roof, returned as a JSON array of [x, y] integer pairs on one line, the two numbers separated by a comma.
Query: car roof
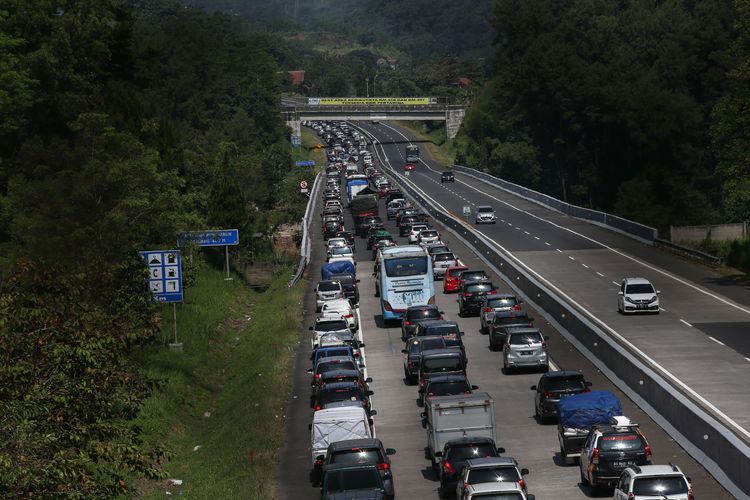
[[513, 314], [356, 443], [637, 281], [338, 302], [426, 338], [447, 378], [479, 463], [656, 470], [347, 384], [421, 308], [331, 348], [501, 296], [438, 322], [344, 466], [341, 373], [441, 353], [484, 206], [523, 329], [468, 270]]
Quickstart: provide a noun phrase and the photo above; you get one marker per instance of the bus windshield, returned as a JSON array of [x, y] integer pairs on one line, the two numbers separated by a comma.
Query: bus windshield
[[409, 266]]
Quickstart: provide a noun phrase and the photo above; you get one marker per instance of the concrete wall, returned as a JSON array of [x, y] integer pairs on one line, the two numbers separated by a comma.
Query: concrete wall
[[453, 120], [714, 232]]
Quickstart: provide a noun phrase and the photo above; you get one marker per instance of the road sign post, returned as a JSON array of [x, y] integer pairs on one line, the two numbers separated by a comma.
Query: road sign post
[[303, 187], [467, 211], [165, 282], [213, 238]]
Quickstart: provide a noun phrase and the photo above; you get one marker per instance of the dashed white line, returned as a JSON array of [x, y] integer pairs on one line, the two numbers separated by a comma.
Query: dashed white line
[[571, 257], [559, 250], [600, 274], [547, 244], [615, 283], [584, 265], [688, 324], [747, 359], [526, 232], [717, 341], [536, 237]]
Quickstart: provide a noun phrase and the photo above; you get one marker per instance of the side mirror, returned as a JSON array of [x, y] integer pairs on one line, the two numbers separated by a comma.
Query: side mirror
[[521, 302], [373, 413], [403, 351], [310, 371], [500, 450], [620, 292], [390, 451], [524, 472], [533, 387], [311, 328], [474, 387], [368, 380], [357, 280], [441, 312], [369, 393], [588, 384], [361, 344]]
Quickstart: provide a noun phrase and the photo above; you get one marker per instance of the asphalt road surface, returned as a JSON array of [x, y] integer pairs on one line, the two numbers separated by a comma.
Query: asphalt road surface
[[397, 424]]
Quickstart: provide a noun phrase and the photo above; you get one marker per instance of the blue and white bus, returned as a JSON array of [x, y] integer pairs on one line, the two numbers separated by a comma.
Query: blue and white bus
[[404, 279]]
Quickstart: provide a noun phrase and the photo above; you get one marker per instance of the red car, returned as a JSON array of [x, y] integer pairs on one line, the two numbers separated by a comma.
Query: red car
[[409, 166], [383, 190], [451, 282]]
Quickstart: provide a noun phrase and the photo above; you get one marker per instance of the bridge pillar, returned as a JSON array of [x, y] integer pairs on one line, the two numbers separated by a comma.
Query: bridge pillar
[[453, 120], [296, 126]]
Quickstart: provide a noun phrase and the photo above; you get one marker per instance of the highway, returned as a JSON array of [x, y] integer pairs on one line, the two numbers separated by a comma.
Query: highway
[[398, 422]]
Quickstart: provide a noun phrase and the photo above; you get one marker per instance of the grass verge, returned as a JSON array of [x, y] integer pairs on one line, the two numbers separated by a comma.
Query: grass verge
[[439, 147], [225, 395]]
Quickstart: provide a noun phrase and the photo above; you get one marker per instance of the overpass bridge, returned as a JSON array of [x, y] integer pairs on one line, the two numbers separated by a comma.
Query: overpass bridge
[[297, 109]]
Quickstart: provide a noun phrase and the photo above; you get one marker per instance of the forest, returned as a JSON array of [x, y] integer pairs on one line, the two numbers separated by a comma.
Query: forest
[[121, 126]]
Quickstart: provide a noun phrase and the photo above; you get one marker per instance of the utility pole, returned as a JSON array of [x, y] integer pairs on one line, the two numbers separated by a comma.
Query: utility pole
[[367, 85]]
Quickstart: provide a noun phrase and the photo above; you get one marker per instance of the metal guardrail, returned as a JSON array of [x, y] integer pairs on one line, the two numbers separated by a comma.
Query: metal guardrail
[[688, 252], [625, 226], [305, 245]]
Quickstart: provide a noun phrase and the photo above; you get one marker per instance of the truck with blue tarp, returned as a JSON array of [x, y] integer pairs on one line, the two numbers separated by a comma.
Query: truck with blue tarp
[[337, 267], [355, 184], [578, 413]]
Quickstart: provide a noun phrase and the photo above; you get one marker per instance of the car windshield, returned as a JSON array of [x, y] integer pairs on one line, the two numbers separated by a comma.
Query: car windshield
[[428, 234], [329, 326], [357, 479], [516, 319], [511, 495], [565, 384], [482, 287], [447, 364], [502, 302], [410, 266], [329, 353], [437, 249], [327, 366], [448, 388], [525, 338], [656, 486], [441, 257], [640, 288], [353, 393], [329, 286], [473, 275], [341, 251], [356, 456], [433, 344], [483, 210], [472, 451], [448, 330], [493, 474], [621, 442], [345, 279]]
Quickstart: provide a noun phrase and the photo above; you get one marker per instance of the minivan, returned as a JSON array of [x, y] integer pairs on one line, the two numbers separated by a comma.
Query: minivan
[[440, 362]]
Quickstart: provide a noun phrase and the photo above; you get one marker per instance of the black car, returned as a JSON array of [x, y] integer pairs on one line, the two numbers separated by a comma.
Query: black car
[[348, 393], [438, 362], [330, 229], [472, 275], [384, 243], [456, 452], [349, 236], [360, 451], [447, 176], [413, 353], [471, 294], [406, 222], [414, 315], [555, 385], [498, 328], [449, 330], [349, 284], [448, 385], [366, 223], [346, 481]]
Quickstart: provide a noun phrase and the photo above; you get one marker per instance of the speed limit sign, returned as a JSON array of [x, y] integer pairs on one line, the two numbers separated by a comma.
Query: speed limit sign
[[303, 184]]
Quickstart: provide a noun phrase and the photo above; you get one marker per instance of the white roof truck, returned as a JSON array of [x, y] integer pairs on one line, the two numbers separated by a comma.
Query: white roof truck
[[337, 424], [454, 417]]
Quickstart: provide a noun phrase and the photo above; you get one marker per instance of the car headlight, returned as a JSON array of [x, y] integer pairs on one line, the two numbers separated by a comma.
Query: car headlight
[[628, 299], [653, 299]]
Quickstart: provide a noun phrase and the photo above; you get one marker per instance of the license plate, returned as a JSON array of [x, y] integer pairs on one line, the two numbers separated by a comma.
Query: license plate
[[621, 464], [527, 353]]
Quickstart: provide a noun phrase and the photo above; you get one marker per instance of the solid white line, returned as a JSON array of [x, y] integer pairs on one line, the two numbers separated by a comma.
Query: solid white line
[[553, 366], [656, 366], [688, 324], [717, 341], [600, 274]]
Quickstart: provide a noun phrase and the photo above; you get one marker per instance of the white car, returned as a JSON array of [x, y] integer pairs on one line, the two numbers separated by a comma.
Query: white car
[[428, 237], [325, 326], [637, 295], [414, 232], [342, 253], [497, 489], [327, 290], [332, 243], [666, 482], [485, 215], [340, 308]]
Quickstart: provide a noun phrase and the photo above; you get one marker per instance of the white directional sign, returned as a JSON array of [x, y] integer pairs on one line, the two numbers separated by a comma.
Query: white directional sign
[[467, 210], [165, 274]]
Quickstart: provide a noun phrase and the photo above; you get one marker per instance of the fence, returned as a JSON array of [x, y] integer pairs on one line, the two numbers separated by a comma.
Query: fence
[[305, 245]]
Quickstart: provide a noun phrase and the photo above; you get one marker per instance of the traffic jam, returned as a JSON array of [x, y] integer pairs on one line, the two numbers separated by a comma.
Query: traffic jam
[[458, 419]]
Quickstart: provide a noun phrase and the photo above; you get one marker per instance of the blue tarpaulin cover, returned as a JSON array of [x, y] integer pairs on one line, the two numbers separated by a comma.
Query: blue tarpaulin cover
[[582, 411], [338, 267]]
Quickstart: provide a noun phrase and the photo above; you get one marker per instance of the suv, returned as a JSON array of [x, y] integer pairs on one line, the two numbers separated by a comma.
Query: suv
[[609, 450], [446, 385], [637, 295], [472, 294], [349, 284], [456, 452], [351, 481], [504, 321], [494, 304], [428, 237], [449, 330], [653, 481], [441, 261], [490, 470], [437, 362], [553, 386], [485, 215], [525, 347], [413, 353], [452, 278], [447, 176], [359, 451], [414, 315], [472, 275], [327, 290], [347, 393]]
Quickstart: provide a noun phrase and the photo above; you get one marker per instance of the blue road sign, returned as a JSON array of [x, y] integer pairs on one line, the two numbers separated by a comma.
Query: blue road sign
[[296, 141], [212, 238], [164, 274], [304, 163]]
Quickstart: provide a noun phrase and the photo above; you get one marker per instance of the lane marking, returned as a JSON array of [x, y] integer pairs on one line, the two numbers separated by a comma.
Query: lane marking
[[717, 341], [615, 283], [571, 257], [584, 265], [547, 244], [536, 237], [559, 250], [644, 357], [688, 324], [600, 274], [526, 232]]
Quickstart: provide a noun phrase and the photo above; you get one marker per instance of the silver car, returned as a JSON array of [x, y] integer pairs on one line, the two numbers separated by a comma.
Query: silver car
[[485, 215], [442, 261], [525, 348]]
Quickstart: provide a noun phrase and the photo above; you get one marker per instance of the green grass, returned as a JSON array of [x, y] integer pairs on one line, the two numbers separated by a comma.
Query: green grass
[[238, 352], [441, 149]]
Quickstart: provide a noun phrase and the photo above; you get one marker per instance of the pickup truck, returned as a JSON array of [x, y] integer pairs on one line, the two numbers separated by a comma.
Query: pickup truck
[[577, 414], [452, 417]]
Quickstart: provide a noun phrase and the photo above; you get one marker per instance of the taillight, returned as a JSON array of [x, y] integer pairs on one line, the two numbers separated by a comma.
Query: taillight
[[317, 376], [516, 308], [408, 323], [410, 364], [467, 294], [421, 381], [487, 310], [349, 316], [690, 493], [544, 344], [383, 466], [356, 354], [595, 456], [522, 484], [548, 394], [317, 407], [387, 306], [492, 292], [586, 390], [448, 467], [648, 453], [631, 496], [319, 462]]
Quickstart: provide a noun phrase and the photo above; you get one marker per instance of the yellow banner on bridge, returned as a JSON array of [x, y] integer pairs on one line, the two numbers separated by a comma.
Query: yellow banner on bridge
[[371, 101]]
